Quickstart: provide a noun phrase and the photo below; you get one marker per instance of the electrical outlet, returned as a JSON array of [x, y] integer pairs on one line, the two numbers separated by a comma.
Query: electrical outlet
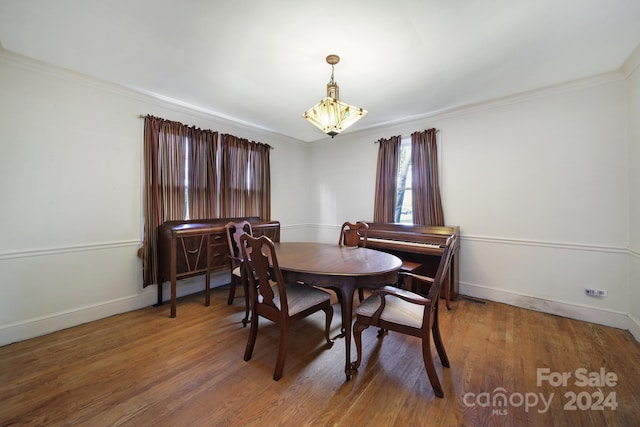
[[595, 292]]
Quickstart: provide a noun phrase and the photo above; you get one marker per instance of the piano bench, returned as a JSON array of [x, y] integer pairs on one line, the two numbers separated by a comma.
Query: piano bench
[[411, 267]]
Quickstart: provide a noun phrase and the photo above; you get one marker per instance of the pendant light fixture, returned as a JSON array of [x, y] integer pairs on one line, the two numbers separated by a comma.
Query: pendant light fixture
[[331, 115]]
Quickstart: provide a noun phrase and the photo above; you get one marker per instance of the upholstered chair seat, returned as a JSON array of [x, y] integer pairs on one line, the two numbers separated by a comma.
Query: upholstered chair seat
[[395, 310]]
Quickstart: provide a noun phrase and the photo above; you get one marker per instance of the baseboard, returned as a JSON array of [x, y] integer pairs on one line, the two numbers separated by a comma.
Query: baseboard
[[634, 327], [32, 328], [58, 321], [44, 325], [573, 311]]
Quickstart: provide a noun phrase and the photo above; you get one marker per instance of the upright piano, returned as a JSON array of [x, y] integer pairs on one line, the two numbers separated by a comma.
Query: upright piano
[[421, 244]]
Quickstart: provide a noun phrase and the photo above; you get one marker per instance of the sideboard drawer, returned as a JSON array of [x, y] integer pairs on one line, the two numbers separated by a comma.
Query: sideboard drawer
[[218, 255], [191, 254]]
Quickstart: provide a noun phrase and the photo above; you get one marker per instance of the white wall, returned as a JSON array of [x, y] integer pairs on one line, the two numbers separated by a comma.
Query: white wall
[[539, 185], [633, 68], [71, 190], [342, 184]]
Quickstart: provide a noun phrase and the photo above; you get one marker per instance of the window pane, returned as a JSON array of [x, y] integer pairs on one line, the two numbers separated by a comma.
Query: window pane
[[404, 208], [406, 212], [186, 179]]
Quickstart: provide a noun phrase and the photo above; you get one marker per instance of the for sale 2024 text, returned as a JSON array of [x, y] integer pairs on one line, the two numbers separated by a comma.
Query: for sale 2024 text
[[598, 399]]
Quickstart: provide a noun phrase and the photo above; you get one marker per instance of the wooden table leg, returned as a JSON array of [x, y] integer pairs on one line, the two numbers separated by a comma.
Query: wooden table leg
[[347, 316]]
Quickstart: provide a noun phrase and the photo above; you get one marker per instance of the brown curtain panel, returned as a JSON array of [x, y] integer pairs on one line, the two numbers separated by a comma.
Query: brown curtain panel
[[245, 178], [203, 199], [170, 149], [427, 205], [386, 177]]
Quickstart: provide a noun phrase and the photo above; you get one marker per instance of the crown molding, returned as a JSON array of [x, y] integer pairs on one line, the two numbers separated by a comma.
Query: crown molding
[[141, 95], [632, 63], [460, 110]]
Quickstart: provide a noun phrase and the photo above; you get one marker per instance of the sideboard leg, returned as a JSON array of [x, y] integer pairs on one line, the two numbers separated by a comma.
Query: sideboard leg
[[159, 303]]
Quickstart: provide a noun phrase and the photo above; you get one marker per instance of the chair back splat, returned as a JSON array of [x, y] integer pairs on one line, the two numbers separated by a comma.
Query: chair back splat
[[405, 312], [354, 234], [234, 231]]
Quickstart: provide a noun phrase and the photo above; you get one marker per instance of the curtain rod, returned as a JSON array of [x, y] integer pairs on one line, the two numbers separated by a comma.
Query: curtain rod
[[144, 116], [437, 131]]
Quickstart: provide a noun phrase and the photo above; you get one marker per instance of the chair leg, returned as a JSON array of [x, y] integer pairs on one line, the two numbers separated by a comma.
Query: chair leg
[[232, 290], [282, 352], [437, 339], [329, 315], [447, 292], [428, 364], [251, 342], [357, 337], [245, 285], [339, 297], [360, 294]]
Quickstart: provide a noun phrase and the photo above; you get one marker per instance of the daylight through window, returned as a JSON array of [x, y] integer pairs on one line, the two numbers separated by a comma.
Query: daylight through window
[[404, 208]]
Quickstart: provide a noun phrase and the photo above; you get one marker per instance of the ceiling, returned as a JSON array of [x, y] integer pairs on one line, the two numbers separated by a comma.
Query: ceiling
[[262, 62]]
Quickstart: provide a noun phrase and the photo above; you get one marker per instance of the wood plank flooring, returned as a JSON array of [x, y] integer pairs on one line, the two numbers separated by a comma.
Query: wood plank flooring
[[143, 368]]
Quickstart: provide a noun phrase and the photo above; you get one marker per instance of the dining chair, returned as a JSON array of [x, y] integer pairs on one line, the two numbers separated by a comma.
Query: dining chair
[[354, 235], [399, 310], [274, 299], [234, 230]]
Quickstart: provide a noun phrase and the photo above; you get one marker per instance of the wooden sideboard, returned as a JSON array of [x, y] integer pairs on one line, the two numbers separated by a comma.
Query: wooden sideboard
[[183, 249]]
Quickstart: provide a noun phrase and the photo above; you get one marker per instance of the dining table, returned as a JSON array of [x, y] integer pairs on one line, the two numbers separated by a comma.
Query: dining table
[[339, 268]]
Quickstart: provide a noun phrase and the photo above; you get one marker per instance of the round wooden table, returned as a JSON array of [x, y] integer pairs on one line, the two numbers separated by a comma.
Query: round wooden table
[[343, 269]]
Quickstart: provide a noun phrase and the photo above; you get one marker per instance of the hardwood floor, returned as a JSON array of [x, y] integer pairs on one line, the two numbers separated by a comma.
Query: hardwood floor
[[143, 368]]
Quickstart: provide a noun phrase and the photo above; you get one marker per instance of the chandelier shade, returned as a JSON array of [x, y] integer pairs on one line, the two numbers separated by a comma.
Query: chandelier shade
[[331, 115]]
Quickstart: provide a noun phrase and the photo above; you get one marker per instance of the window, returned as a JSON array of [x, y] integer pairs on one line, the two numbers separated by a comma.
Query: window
[[189, 174], [407, 176], [404, 208]]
